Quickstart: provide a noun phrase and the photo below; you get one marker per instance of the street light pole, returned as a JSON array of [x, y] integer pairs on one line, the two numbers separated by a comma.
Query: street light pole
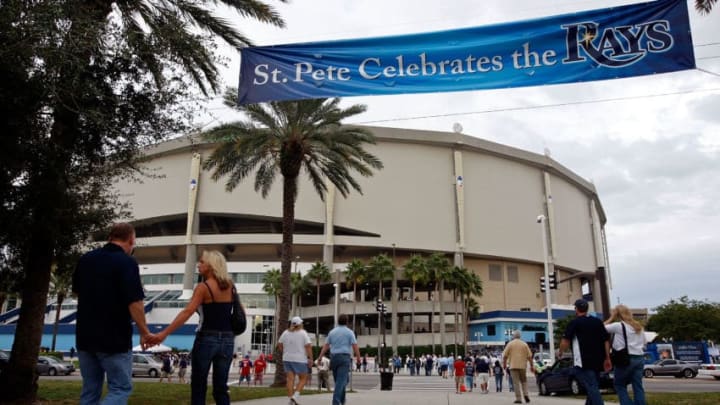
[[548, 302]]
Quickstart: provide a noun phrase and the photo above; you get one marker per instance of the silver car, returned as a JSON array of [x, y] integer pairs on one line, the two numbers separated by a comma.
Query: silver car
[[48, 365], [677, 368], [145, 365]]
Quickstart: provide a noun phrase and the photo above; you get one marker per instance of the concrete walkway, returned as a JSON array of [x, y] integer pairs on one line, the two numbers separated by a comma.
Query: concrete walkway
[[419, 398]]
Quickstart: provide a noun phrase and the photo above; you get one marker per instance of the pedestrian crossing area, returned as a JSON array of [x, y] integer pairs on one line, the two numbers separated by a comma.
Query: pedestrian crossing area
[[434, 383]]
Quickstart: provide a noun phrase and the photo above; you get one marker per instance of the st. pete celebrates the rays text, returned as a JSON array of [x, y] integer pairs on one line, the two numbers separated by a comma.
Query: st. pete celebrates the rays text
[[624, 41]]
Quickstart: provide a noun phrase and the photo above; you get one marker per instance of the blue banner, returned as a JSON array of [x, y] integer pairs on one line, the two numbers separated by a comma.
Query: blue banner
[[633, 40]]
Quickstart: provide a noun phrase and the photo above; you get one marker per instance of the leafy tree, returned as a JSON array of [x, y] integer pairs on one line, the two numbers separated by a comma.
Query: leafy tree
[[685, 319], [416, 271], [704, 6], [286, 138], [319, 273], [355, 274], [86, 85], [560, 326]]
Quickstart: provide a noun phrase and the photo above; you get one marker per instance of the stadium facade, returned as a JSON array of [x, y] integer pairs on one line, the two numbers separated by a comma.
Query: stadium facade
[[473, 200]]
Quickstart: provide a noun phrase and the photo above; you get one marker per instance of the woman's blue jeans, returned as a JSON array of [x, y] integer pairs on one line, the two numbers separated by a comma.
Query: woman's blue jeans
[[216, 349], [340, 366], [631, 374]]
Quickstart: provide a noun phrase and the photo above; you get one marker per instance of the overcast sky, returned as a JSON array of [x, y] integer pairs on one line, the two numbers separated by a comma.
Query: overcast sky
[[651, 145]]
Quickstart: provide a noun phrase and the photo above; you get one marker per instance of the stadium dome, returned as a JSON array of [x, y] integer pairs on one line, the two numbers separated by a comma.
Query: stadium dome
[[475, 201]]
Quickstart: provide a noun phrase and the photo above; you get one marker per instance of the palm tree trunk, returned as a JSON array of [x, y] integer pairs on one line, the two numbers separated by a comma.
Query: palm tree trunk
[[289, 193], [412, 322], [58, 305], [441, 316], [354, 306], [455, 320], [317, 317], [432, 313]]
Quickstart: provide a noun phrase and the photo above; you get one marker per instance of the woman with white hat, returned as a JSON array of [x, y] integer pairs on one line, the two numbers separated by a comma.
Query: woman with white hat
[[297, 357]]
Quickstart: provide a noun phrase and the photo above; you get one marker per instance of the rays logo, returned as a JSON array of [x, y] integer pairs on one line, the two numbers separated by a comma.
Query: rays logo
[[617, 46]]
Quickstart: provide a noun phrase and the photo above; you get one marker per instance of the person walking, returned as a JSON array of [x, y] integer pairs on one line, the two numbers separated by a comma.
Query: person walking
[[469, 374], [482, 368], [245, 367], [498, 373], [459, 366], [182, 369], [518, 355], [295, 345], [591, 350], [167, 369], [214, 340], [110, 297], [341, 343], [627, 332], [323, 366], [260, 365]]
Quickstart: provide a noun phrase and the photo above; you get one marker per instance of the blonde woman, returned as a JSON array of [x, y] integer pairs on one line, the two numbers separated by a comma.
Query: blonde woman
[[632, 373], [214, 339], [297, 357]]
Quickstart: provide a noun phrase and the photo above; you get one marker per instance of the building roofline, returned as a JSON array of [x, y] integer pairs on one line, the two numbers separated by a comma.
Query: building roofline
[[451, 140]]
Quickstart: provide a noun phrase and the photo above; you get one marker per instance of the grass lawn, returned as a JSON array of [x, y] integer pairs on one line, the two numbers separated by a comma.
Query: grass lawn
[[674, 398], [151, 393]]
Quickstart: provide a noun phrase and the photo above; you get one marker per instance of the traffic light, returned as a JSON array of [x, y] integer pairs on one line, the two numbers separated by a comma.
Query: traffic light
[[542, 284], [384, 309], [553, 281], [379, 305]]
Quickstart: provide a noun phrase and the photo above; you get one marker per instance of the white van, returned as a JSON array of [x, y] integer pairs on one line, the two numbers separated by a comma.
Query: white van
[[145, 365]]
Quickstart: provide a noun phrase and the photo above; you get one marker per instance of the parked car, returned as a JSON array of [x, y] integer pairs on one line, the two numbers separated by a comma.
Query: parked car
[[145, 365], [677, 368], [711, 369], [48, 365], [560, 378]]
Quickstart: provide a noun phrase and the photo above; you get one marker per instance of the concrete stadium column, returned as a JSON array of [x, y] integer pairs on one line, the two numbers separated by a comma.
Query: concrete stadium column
[[602, 275], [193, 224], [394, 303], [458, 256], [328, 246], [550, 215]]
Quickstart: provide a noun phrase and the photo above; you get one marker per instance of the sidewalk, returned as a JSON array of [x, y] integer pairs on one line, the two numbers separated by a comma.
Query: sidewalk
[[419, 398]]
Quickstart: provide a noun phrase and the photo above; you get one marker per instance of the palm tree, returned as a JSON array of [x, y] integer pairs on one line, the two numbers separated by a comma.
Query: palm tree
[[457, 279], [470, 286], [285, 138], [438, 272], [60, 287], [355, 274], [319, 273], [298, 286], [381, 268], [704, 6], [472, 308], [416, 271], [271, 285]]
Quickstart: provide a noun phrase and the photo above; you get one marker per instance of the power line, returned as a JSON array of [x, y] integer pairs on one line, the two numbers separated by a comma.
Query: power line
[[538, 107]]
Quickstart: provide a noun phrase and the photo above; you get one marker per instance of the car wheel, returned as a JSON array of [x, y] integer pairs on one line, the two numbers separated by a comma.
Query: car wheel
[[648, 373], [543, 389], [52, 372], [688, 373], [575, 387], [153, 373]]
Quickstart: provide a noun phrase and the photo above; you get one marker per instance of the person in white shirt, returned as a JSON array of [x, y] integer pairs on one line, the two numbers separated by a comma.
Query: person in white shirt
[[323, 365], [632, 373], [297, 358]]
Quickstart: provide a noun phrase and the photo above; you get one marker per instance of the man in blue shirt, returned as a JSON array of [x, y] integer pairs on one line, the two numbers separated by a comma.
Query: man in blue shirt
[[341, 343], [110, 297], [591, 350]]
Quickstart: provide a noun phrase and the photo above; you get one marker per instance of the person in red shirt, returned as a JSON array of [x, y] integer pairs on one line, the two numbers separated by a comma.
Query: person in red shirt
[[459, 367], [245, 367], [260, 365]]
